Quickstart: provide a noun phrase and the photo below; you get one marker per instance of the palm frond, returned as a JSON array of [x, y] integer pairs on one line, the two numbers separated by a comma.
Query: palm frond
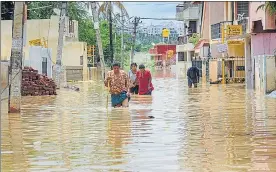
[[121, 7], [268, 6], [261, 7]]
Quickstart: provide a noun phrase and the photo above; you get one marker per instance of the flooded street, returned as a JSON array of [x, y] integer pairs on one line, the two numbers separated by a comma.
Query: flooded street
[[209, 128]]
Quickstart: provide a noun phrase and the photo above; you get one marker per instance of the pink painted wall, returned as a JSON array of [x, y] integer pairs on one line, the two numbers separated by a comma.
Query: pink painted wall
[[263, 43], [216, 12], [268, 21], [206, 21]]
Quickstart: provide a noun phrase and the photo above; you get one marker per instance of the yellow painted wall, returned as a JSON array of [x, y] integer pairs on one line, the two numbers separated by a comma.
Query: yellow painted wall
[[72, 52], [213, 72], [6, 41], [36, 29], [236, 50]]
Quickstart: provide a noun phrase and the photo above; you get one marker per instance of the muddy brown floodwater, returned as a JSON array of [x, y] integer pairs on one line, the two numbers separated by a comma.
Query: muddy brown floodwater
[[210, 128]]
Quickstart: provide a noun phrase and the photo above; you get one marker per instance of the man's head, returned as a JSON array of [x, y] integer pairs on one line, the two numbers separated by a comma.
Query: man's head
[[142, 67], [133, 66], [116, 67]]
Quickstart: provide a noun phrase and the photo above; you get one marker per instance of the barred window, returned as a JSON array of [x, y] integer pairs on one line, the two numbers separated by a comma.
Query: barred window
[[71, 26], [215, 31], [182, 56], [243, 8]]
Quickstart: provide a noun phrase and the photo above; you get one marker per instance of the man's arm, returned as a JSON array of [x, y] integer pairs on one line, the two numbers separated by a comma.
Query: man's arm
[[150, 79], [127, 82]]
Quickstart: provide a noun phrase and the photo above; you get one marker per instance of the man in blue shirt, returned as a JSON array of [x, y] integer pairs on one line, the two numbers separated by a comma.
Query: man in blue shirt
[[193, 76]]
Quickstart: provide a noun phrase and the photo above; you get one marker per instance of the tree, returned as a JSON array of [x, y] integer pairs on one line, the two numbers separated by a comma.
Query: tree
[[107, 9], [194, 39], [7, 8], [44, 9], [268, 5]]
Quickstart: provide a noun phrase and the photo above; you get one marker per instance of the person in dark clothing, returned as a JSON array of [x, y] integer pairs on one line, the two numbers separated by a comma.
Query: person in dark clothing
[[193, 76]]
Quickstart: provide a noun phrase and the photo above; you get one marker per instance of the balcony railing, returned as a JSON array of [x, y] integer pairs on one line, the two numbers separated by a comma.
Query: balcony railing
[[184, 39], [244, 23]]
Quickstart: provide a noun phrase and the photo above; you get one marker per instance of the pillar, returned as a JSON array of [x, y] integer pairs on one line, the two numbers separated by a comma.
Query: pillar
[[189, 59], [248, 65]]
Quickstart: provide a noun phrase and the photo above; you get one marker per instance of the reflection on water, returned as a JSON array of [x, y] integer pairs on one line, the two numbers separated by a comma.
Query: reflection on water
[[209, 128]]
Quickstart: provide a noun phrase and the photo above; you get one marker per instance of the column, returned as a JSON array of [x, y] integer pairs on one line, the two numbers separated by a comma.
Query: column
[[189, 59], [248, 65]]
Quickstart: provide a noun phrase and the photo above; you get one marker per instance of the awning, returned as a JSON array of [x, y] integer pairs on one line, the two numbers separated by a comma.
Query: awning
[[201, 43]]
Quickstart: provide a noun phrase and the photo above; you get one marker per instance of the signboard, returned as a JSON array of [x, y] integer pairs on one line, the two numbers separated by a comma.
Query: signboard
[[89, 51], [240, 68], [222, 48], [38, 42], [35, 42], [170, 54], [165, 33], [234, 30], [234, 42]]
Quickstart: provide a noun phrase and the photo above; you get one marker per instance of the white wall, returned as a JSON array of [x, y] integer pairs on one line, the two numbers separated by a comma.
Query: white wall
[[265, 73]]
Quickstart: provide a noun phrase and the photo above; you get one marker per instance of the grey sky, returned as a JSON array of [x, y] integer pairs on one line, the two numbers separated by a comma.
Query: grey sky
[[151, 9]]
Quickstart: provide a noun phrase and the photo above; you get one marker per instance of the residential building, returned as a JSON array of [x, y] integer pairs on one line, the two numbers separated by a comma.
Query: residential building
[[74, 52], [160, 53], [261, 66], [189, 14], [247, 55]]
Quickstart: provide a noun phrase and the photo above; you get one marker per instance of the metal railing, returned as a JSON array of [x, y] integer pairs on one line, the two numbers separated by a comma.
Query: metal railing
[[184, 39], [244, 23]]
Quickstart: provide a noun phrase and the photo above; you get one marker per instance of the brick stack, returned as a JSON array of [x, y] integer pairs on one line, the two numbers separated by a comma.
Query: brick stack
[[34, 84]]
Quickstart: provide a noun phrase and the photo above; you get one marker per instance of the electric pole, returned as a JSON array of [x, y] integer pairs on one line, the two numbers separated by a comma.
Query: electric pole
[[0, 67], [59, 72], [122, 40], [98, 36], [135, 22], [110, 33], [15, 70]]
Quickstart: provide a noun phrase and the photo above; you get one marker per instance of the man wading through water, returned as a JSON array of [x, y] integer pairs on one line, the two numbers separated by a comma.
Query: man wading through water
[[193, 76], [143, 77], [118, 82], [134, 87]]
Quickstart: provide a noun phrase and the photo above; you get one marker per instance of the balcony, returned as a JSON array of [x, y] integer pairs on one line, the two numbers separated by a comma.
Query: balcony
[[187, 12], [183, 39]]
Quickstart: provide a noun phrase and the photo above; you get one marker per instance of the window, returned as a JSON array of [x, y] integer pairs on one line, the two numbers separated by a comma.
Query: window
[[215, 31], [242, 8], [44, 65], [81, 60], [182, 56], [192, 27], [71, 26]]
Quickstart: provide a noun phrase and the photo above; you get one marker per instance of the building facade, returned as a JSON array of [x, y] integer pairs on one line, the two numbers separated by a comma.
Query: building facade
[[74, 52], [246, 54], [189, 14]]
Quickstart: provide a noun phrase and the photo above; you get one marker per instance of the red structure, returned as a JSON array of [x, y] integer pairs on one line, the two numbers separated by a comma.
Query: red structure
[[160, 53]]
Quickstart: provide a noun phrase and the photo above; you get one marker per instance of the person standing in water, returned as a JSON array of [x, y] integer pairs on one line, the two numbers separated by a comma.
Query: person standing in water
[[193, 76], [118, 83], [143, 77], [134, 87]]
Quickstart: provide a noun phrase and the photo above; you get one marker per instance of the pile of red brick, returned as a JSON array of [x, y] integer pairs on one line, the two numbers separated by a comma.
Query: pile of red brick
[[34, 84]]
